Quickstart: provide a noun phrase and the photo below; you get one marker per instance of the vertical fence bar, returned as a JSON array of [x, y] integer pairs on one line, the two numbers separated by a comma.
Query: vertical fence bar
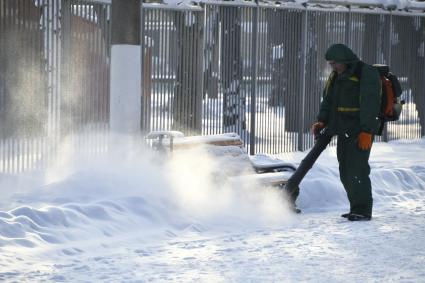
[[303, 78], [171, 68], [143, 52], [253, 74], [385, 131]]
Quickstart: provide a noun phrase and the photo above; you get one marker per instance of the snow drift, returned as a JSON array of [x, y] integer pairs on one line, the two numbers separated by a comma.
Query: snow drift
[[134, 189], [131, 216]]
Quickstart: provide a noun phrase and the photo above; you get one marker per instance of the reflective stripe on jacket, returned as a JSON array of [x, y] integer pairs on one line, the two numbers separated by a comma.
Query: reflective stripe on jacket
[[350, 104]]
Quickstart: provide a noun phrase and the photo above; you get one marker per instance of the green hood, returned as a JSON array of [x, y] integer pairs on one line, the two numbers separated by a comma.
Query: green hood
[[340, 53]]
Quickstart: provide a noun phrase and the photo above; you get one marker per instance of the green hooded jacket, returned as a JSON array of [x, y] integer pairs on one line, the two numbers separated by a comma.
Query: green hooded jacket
[[350, 104]]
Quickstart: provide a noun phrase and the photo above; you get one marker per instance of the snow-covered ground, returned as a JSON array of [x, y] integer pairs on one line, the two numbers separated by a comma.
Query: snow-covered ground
[[131, 217]]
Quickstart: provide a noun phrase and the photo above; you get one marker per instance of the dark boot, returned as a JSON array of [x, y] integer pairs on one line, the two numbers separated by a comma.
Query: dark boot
[[359, 217]]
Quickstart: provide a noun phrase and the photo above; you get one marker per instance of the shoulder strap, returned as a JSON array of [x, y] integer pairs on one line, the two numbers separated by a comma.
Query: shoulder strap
[[330, 82], [358, 70]]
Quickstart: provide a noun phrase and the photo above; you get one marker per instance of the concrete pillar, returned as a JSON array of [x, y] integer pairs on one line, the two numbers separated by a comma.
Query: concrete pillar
[[126, 83]]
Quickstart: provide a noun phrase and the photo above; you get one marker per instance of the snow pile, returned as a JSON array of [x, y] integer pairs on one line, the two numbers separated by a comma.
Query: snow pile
[[135, 190], [135, 215], [397, 175]]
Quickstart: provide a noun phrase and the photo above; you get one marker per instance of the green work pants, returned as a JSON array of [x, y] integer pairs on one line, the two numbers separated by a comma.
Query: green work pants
[[354, 173]]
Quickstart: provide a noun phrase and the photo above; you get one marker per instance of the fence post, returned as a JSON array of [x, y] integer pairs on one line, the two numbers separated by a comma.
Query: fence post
[[145, 63], [385, 130], [348, 38], [125, 72], [303, 83], [200, 31], [253, 80]]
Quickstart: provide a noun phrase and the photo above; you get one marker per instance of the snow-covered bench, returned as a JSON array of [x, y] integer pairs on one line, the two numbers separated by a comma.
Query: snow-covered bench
[[177, 140], [270, 170]]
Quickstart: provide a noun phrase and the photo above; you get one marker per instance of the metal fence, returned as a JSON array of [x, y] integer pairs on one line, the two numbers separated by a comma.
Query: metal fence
[[84, 65], [257, 70], [54, 80], [24, 90], [263, 69], [172, 68]]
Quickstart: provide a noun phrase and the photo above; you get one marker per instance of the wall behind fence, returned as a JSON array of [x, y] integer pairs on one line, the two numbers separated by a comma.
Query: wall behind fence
[[254, 70]]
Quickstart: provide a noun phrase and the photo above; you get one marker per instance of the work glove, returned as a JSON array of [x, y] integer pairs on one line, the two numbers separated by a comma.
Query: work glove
[[316, 128], [364, 141]]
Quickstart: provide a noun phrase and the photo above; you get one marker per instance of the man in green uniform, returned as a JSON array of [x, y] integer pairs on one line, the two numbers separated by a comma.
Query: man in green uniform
[[350, 109]]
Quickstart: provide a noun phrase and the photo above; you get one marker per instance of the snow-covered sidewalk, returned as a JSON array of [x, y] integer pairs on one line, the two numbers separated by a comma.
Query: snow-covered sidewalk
[[122, 219]]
